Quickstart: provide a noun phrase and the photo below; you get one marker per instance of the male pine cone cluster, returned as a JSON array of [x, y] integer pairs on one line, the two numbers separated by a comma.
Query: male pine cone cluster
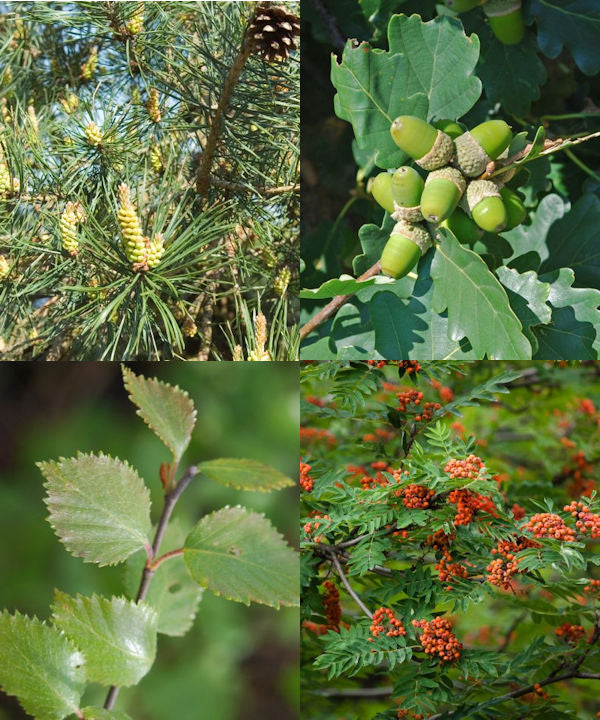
[[142, 252], [454, 157], [272, 32], [72, 215]]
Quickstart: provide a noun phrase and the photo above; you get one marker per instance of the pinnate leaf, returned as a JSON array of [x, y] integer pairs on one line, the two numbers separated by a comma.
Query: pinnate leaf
[[99, 507], [166, 409], [40, 666], [238, 554], [117, 637], [244, 474], [464, 285]]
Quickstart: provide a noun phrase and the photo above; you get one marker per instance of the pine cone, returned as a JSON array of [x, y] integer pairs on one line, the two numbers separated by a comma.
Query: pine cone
[[272, 31]]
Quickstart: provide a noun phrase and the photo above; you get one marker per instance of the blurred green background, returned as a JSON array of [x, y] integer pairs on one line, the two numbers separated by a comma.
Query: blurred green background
[[236, 662]]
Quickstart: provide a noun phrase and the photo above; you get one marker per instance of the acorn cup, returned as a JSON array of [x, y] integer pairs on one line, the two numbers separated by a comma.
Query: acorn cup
[[380, 188], [464, 228], [515, 210], [485, 205], [429, 147], [407, 188], [479, 146], [506, 20], [442, 192], [404, 248]]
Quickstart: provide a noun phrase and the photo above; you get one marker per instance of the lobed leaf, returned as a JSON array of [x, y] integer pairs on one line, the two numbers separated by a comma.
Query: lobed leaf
[[168, 411], [244, 474], [117, 636], [99, 507], [40, 666], [238, 554]]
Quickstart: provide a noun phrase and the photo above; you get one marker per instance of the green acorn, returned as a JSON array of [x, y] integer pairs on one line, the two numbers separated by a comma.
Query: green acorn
[[407, 188], [443, 189], [404, 248], [506, 20], [380, 188], [484, 143], [431, 148], [452, 128], [515, 210], [461, 6], [463, 227], [486, 206]]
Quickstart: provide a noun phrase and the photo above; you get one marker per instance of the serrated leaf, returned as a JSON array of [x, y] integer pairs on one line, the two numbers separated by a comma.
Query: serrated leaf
[[99, 507], [574, 240], [574, 333], [172, 592], [571, 23], [95, 713], [511, 74], [167, 410], [244, 474], [40, 667], [477, 304], [238, 554], [117, 637]]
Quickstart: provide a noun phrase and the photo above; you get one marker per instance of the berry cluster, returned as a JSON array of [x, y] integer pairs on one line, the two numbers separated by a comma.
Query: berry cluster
[[587, 523], [331, 601], [581, 481], [502, 570], [403, 714], [384, 621], [593, 586], [438, 639], [549, 525], [315, 435], [468, 503], [407, 398], [417, 497], [404, 366], [306, 481], [468, 469], [447, 571], [446, 393], [380, 435], [570, 633], [311, 527], [369, 482]]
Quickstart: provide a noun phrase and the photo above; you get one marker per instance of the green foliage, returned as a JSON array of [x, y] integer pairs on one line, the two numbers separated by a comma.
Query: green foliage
[[40, 666], [238, 554], [90, 104], [117, 637], [382, 525], [244, 474]]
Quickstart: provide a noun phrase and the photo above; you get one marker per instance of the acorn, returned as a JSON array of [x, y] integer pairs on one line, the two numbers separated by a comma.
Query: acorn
[[461, 6], [486, 206], [506, 20], [429, 147], [478, 147], [407, 188], [443, 189], [515, 210], [404, 248], [380, 188], [452, 128], [464, 228]]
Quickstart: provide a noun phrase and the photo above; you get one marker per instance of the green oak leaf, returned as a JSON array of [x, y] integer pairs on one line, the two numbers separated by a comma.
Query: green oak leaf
[[244, 474], [574, 242], [95, 713], [237, 553], [99, 507], [569, 23], [477, 304], [336, 286], [434, 52], [172, 592], [40, 666], [117, 637], [574, 333], [372, 241], [530, 240], [528, 298], [167, 410], [352, 333]]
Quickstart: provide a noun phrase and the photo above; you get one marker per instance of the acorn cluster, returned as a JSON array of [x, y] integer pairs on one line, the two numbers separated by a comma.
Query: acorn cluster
[[549, 525], [438, 639], [453, 195], [384, 621], [504, 16], [306, 481]]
